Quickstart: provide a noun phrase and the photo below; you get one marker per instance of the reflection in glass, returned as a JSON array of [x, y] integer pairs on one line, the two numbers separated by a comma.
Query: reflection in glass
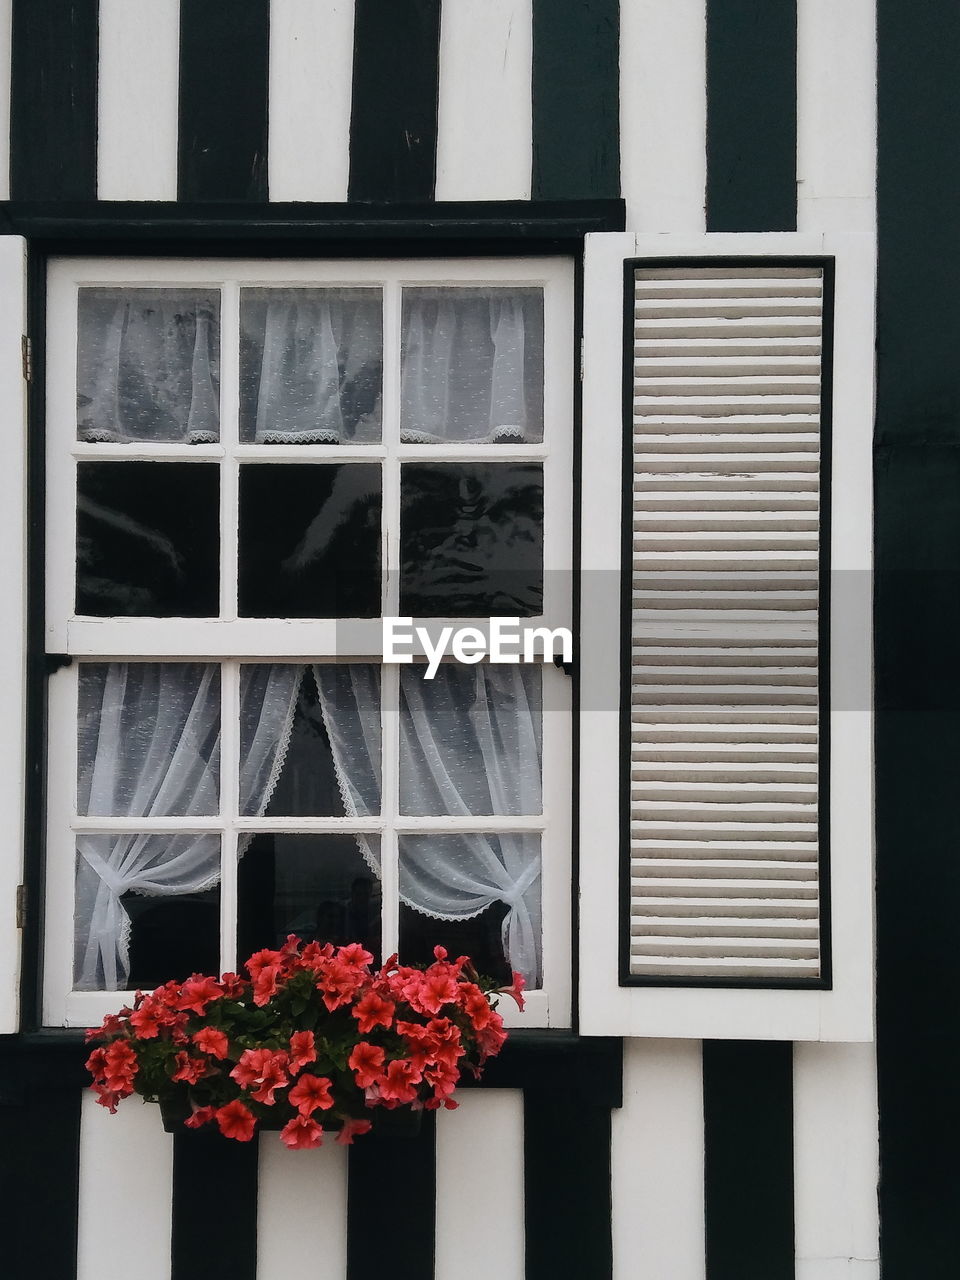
[[148, 365], [323, 888], [309, 540], [171, 938], [472, 365], [311, 365], [471, 539], [148, 539], [450, 881]]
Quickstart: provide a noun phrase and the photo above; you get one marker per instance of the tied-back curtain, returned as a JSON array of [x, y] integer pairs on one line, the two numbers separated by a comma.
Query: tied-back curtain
[[471, 366], [148, 366], [311, 366]]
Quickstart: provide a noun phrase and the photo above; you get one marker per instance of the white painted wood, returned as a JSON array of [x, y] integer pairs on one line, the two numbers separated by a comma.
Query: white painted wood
[[846, 1011], [657, 1162], [836, 1161], [138, 99], [836, 115], [126, 1180], [663, 114], [484, 126], [302, 1211], [13, 619], [6, 28], [311, 77], [480, 1179]]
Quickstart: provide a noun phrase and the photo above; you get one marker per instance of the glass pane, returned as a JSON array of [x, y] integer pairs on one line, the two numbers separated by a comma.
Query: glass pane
[[148, 740], [472, 365], [148, 364], [471, 539], [148, 539], [311, 365], [476, 894], [324, 888], [309, 540], [147, 910], [470, 740], [310, 740]]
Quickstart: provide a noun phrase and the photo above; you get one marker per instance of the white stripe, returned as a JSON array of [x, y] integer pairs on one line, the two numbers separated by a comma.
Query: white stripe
[[302, 1211], [311, 77], [657, 1162], [484, 145], [126, 1189], [663, 114], [138, 99], [836, 1166], [836, 115], [480, 1180], [13, 620], [6, 29]]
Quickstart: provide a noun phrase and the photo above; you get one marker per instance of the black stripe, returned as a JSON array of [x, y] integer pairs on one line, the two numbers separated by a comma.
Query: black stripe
[[751, 115], [391, 1203], [214, 1206], [53, 100], [393, 123], [917, 619], [748, 1161], [224, 70], [566, 1185], [576, 99]]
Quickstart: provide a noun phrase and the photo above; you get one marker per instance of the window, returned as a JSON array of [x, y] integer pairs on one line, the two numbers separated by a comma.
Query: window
[[249, 466]]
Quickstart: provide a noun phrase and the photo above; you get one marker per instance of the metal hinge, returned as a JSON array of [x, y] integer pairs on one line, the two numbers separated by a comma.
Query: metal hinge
[[26, 352], [21, 905]]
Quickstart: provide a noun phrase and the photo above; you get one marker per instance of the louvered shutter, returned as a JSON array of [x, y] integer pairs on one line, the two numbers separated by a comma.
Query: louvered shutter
[[726, 425], [709, 765]]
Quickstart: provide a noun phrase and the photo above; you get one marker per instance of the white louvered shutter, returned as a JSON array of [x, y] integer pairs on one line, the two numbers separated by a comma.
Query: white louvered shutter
[[724, 670], [725, 783]]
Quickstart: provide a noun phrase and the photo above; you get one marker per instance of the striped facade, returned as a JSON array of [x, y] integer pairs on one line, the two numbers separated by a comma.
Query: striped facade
[[401, 126]]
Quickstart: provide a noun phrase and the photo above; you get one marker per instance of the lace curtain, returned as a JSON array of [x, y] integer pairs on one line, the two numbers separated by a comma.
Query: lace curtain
[[149, 746]]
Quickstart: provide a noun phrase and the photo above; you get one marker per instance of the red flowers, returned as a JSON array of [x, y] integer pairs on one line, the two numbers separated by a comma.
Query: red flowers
[[311, 1037]]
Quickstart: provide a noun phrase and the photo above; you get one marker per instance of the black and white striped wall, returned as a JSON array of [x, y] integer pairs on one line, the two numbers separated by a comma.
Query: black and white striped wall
[[726, 1160]]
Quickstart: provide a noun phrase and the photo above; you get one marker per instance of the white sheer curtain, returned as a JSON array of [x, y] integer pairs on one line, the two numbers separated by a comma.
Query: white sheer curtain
[[472, 366], [311, 366], [148, 365]]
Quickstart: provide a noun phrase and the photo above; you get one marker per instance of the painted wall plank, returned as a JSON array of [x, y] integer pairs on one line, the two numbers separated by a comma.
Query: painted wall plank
[[836, 1163], [480, 1170], [6, 33], [126, 1180], [206, 1165], [302, 1211], [751, 115], [393, 123], [53, 101], [224, 61], [311, 61], [484, 117], [657, 1162], [836, 115], [663, 114], [139, 75], [576, 125], [398, 1238]]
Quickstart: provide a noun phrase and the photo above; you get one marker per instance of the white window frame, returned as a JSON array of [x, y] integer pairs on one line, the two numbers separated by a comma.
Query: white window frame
[[229, 639], [845, 1012]]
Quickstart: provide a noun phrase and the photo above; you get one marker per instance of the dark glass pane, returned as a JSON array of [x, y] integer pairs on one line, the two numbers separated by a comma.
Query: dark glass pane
[[472, 365], [471, 539], [309, 540], [148, 364], [311, 365], [320, 887], [454, 890], [148, 539], [171, 938]]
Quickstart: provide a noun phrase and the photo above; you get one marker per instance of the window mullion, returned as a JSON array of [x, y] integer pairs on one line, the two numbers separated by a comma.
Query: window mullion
[[389, 857], [229, 809], [229, 437]]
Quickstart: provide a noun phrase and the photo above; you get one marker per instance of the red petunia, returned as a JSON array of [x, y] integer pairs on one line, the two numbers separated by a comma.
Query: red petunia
[[236, 1121], [210, 1040], [197, 992], [261, 960], [265, 984], [372, 1011], [262, 1071], [189, 1069], [200, 1117], [147, 1020], [310, 1093], [303, 1050], [515, 989], [352, 1129], [301, 1134], [366, 1061], [399, 1083]]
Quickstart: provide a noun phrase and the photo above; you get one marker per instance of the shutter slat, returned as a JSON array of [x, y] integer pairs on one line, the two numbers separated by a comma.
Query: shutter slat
[[724, 677]]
